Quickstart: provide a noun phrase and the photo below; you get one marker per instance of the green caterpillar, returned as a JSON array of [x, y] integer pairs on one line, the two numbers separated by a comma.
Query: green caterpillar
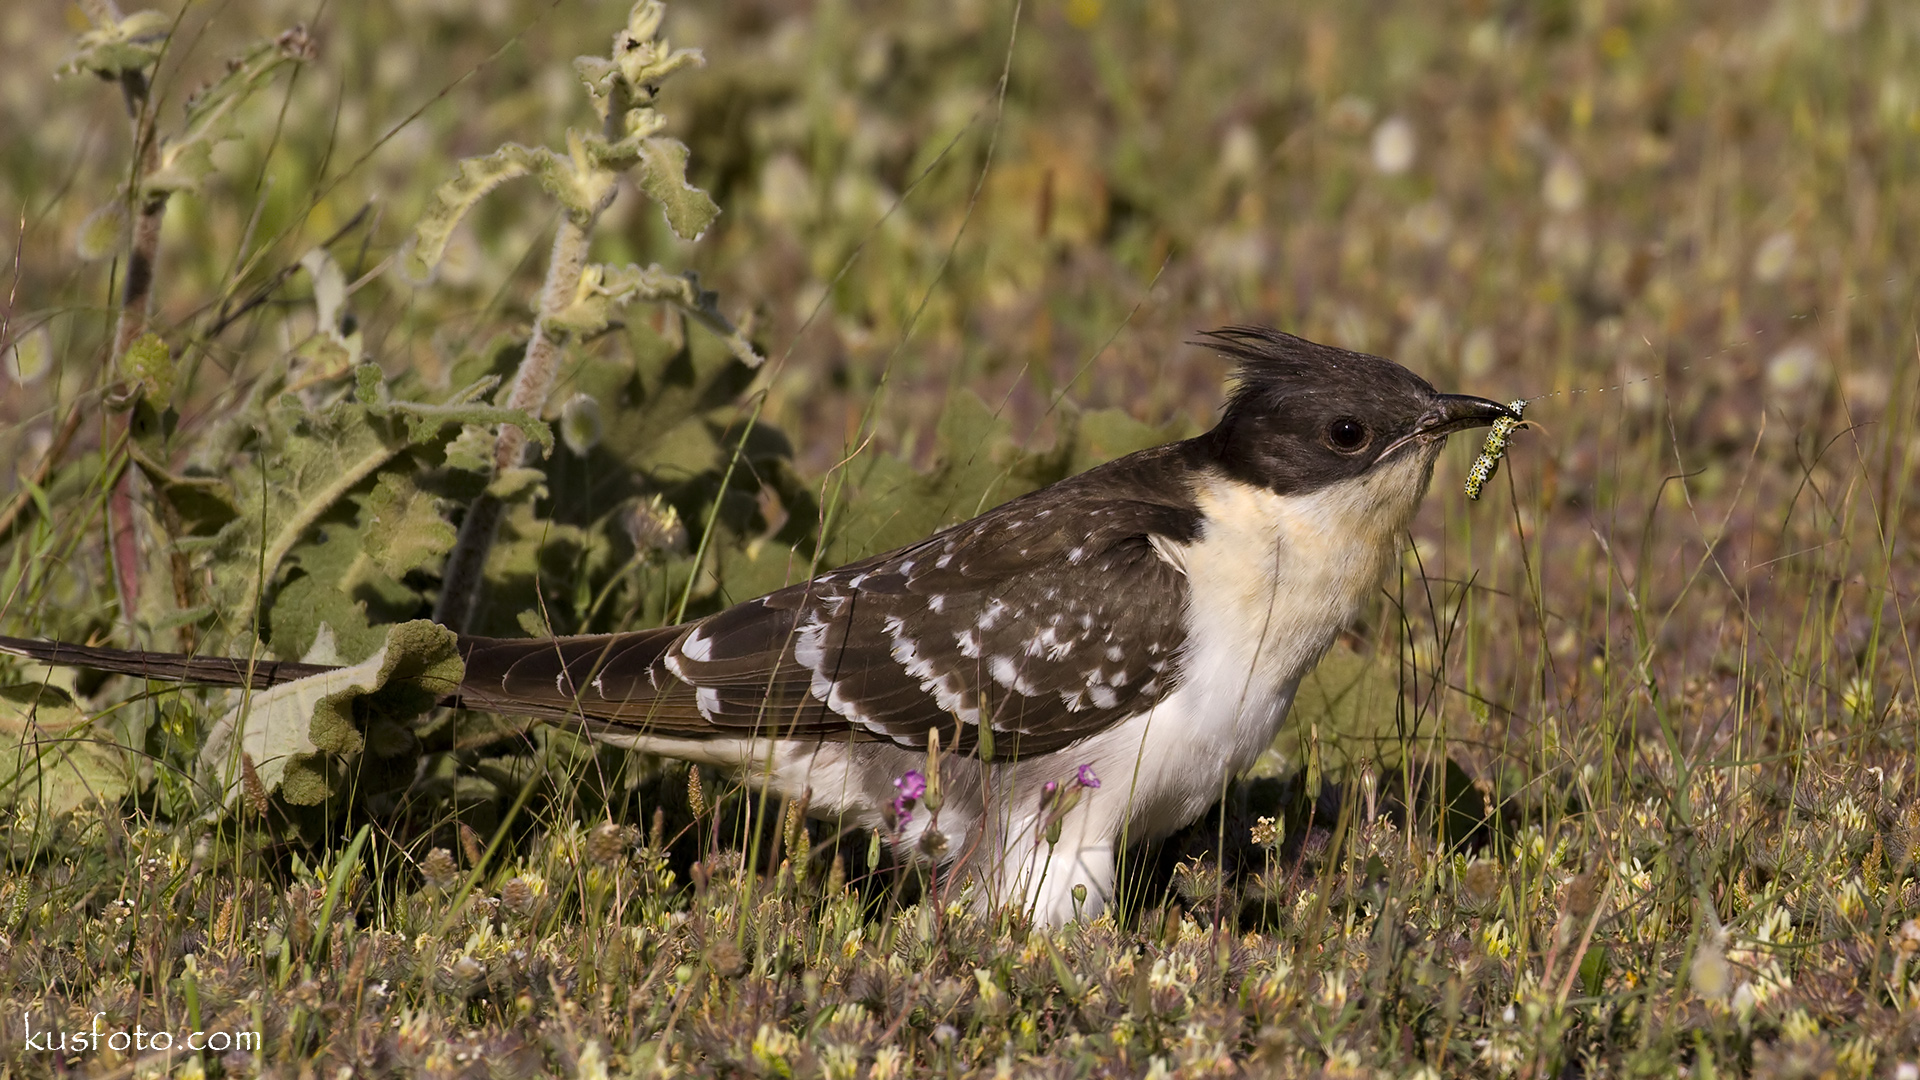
[[1490, 454]]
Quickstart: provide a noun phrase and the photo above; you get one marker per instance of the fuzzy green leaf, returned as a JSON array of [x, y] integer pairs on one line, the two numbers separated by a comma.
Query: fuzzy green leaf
[[186, 158], [103, 232], [640, 61], [404, 528], [663, 175], [332, 347], [645, 58], [292, 730], [307, 490], [425, 420], [452, 200], [518, 484], [603, 290], [51, 760], [203, 504], [149, 362], [131, 45], [30, 357]]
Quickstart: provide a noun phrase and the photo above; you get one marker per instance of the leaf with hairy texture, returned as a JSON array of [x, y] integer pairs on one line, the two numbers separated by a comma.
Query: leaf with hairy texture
[[203, 505], [663, 176], [603, 290], [186, 158], [331, 347], [308, 492], [131, 45], [52, 760], [425, 420], [102, 233], [296, 732], [640, 60], [149, 362], [404, 528], [453, 199]]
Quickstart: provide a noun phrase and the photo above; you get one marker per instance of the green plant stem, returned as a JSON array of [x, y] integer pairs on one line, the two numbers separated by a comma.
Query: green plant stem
[[136, 307], [465, 575], [143, 251], [136, 300]]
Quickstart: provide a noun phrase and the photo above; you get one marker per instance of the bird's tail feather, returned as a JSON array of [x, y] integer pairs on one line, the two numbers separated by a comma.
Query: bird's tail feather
[[164, 666], [598, 678]]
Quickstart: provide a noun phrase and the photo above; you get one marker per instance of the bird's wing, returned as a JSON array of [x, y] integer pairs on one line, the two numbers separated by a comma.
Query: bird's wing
[[1045, 622]]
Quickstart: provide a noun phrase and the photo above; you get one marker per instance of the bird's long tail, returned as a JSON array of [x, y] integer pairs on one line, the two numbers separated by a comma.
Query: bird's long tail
[[164, 666], [559, 678]]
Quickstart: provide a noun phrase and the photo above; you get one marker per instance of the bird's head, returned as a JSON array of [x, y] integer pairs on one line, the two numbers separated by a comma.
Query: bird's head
[[1305, 417]]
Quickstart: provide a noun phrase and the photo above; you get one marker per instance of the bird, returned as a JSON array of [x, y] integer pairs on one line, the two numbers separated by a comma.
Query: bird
[[1090, 662]]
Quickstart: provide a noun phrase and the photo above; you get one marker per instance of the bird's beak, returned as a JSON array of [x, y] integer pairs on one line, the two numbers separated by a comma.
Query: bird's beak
[[1450, 413]]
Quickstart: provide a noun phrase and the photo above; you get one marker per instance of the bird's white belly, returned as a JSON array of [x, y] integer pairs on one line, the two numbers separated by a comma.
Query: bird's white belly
[[1162, 768]]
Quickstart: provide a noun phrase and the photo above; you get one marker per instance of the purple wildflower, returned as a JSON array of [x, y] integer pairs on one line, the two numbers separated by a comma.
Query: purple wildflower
[[1086, 777], [911, 786]]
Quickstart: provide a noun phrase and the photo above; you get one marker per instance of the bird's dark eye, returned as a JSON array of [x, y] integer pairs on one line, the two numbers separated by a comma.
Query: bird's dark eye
[[1347, 435]]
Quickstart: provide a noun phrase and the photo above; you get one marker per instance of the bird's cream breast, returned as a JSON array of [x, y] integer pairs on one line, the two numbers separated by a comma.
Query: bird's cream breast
[[1293, 562]]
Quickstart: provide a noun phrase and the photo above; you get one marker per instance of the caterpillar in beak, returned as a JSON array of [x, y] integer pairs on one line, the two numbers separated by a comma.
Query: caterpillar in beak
[[1488, 462]]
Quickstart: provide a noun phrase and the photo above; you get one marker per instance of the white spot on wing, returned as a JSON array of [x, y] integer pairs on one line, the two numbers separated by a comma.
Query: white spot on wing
[[1048, 643], [707, 699], [697, 646], [992, 615], [937, 602], [808, 649], [1008, 675]]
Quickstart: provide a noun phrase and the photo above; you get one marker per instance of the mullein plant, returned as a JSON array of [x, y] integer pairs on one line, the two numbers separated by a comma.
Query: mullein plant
[[309, 520], [578, 298]]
